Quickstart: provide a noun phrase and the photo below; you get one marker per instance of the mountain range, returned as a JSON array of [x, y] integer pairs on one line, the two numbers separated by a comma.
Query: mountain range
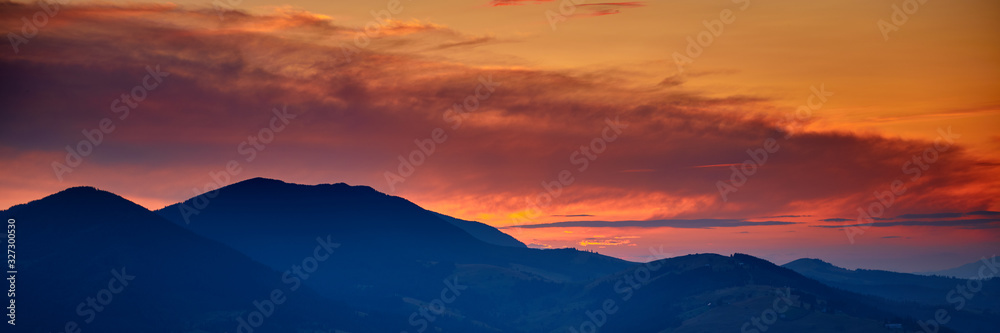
[[263, 255], [967, 271]]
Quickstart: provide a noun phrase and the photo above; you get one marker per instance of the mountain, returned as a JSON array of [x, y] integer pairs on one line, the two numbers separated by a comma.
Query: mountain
[[394, 256], [967, 271], [483, 232], [739, 293], [268, 256], [891, 285], [269, 219], [91, 260], [978, 310]]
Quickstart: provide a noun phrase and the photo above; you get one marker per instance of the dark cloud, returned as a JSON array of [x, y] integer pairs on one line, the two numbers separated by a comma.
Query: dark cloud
[[931, 216], [606, 8], [947, 215], [965, 224], [357, 112], [686, 224], [469, 42], [849, 220]]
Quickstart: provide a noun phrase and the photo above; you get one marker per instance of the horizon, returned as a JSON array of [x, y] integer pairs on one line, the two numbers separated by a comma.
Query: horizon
[[856, 133], [779, 263]]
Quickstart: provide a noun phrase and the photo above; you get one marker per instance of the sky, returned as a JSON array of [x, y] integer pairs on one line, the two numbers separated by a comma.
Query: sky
[[681, 126]]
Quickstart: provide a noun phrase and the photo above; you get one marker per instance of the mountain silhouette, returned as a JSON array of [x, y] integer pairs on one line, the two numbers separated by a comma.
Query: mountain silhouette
[[891, 285], [364, 261], [968, 271], [483, 231], [145, 274], [381, 237], [979, 310]]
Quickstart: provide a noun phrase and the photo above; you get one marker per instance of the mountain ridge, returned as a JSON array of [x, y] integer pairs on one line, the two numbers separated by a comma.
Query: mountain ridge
[[391, 262], [69, 244]]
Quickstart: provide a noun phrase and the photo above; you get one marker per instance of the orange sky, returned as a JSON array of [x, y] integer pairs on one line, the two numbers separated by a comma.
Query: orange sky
[[557, 88]]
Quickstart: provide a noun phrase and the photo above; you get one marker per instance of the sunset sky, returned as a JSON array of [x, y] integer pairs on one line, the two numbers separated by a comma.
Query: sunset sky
[[843, 103]]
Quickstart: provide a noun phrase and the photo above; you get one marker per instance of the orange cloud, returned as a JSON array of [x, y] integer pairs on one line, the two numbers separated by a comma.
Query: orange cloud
[[358, 113]]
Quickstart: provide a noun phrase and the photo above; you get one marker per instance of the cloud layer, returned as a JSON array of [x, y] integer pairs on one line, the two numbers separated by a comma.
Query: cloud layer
[[361, 100]]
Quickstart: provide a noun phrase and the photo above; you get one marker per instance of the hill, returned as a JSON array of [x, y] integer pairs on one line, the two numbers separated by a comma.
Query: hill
[[95, 261]]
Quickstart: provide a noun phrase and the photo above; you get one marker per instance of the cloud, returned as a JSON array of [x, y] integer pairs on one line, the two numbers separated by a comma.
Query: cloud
[[360, 109], [614, 4], [931, 216], [469, 42], [947, 215], [838, 219], [586, 9], [607, 8], [688, 224], [964, 224], [617, 241]]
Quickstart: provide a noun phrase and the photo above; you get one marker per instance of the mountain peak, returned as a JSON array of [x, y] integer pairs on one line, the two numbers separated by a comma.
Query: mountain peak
[[809, 262], [261, 180], [81, 197], [269, 184]]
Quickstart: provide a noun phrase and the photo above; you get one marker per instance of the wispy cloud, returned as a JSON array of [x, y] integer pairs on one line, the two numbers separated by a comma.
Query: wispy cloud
[[947, 215], [615, 241], [607, 8], [965, 224], [689, 224], [468, 42]]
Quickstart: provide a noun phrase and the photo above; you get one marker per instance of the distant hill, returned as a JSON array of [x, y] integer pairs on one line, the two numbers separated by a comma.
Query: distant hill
[[967, 271], [980, 310], [714, 293]]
